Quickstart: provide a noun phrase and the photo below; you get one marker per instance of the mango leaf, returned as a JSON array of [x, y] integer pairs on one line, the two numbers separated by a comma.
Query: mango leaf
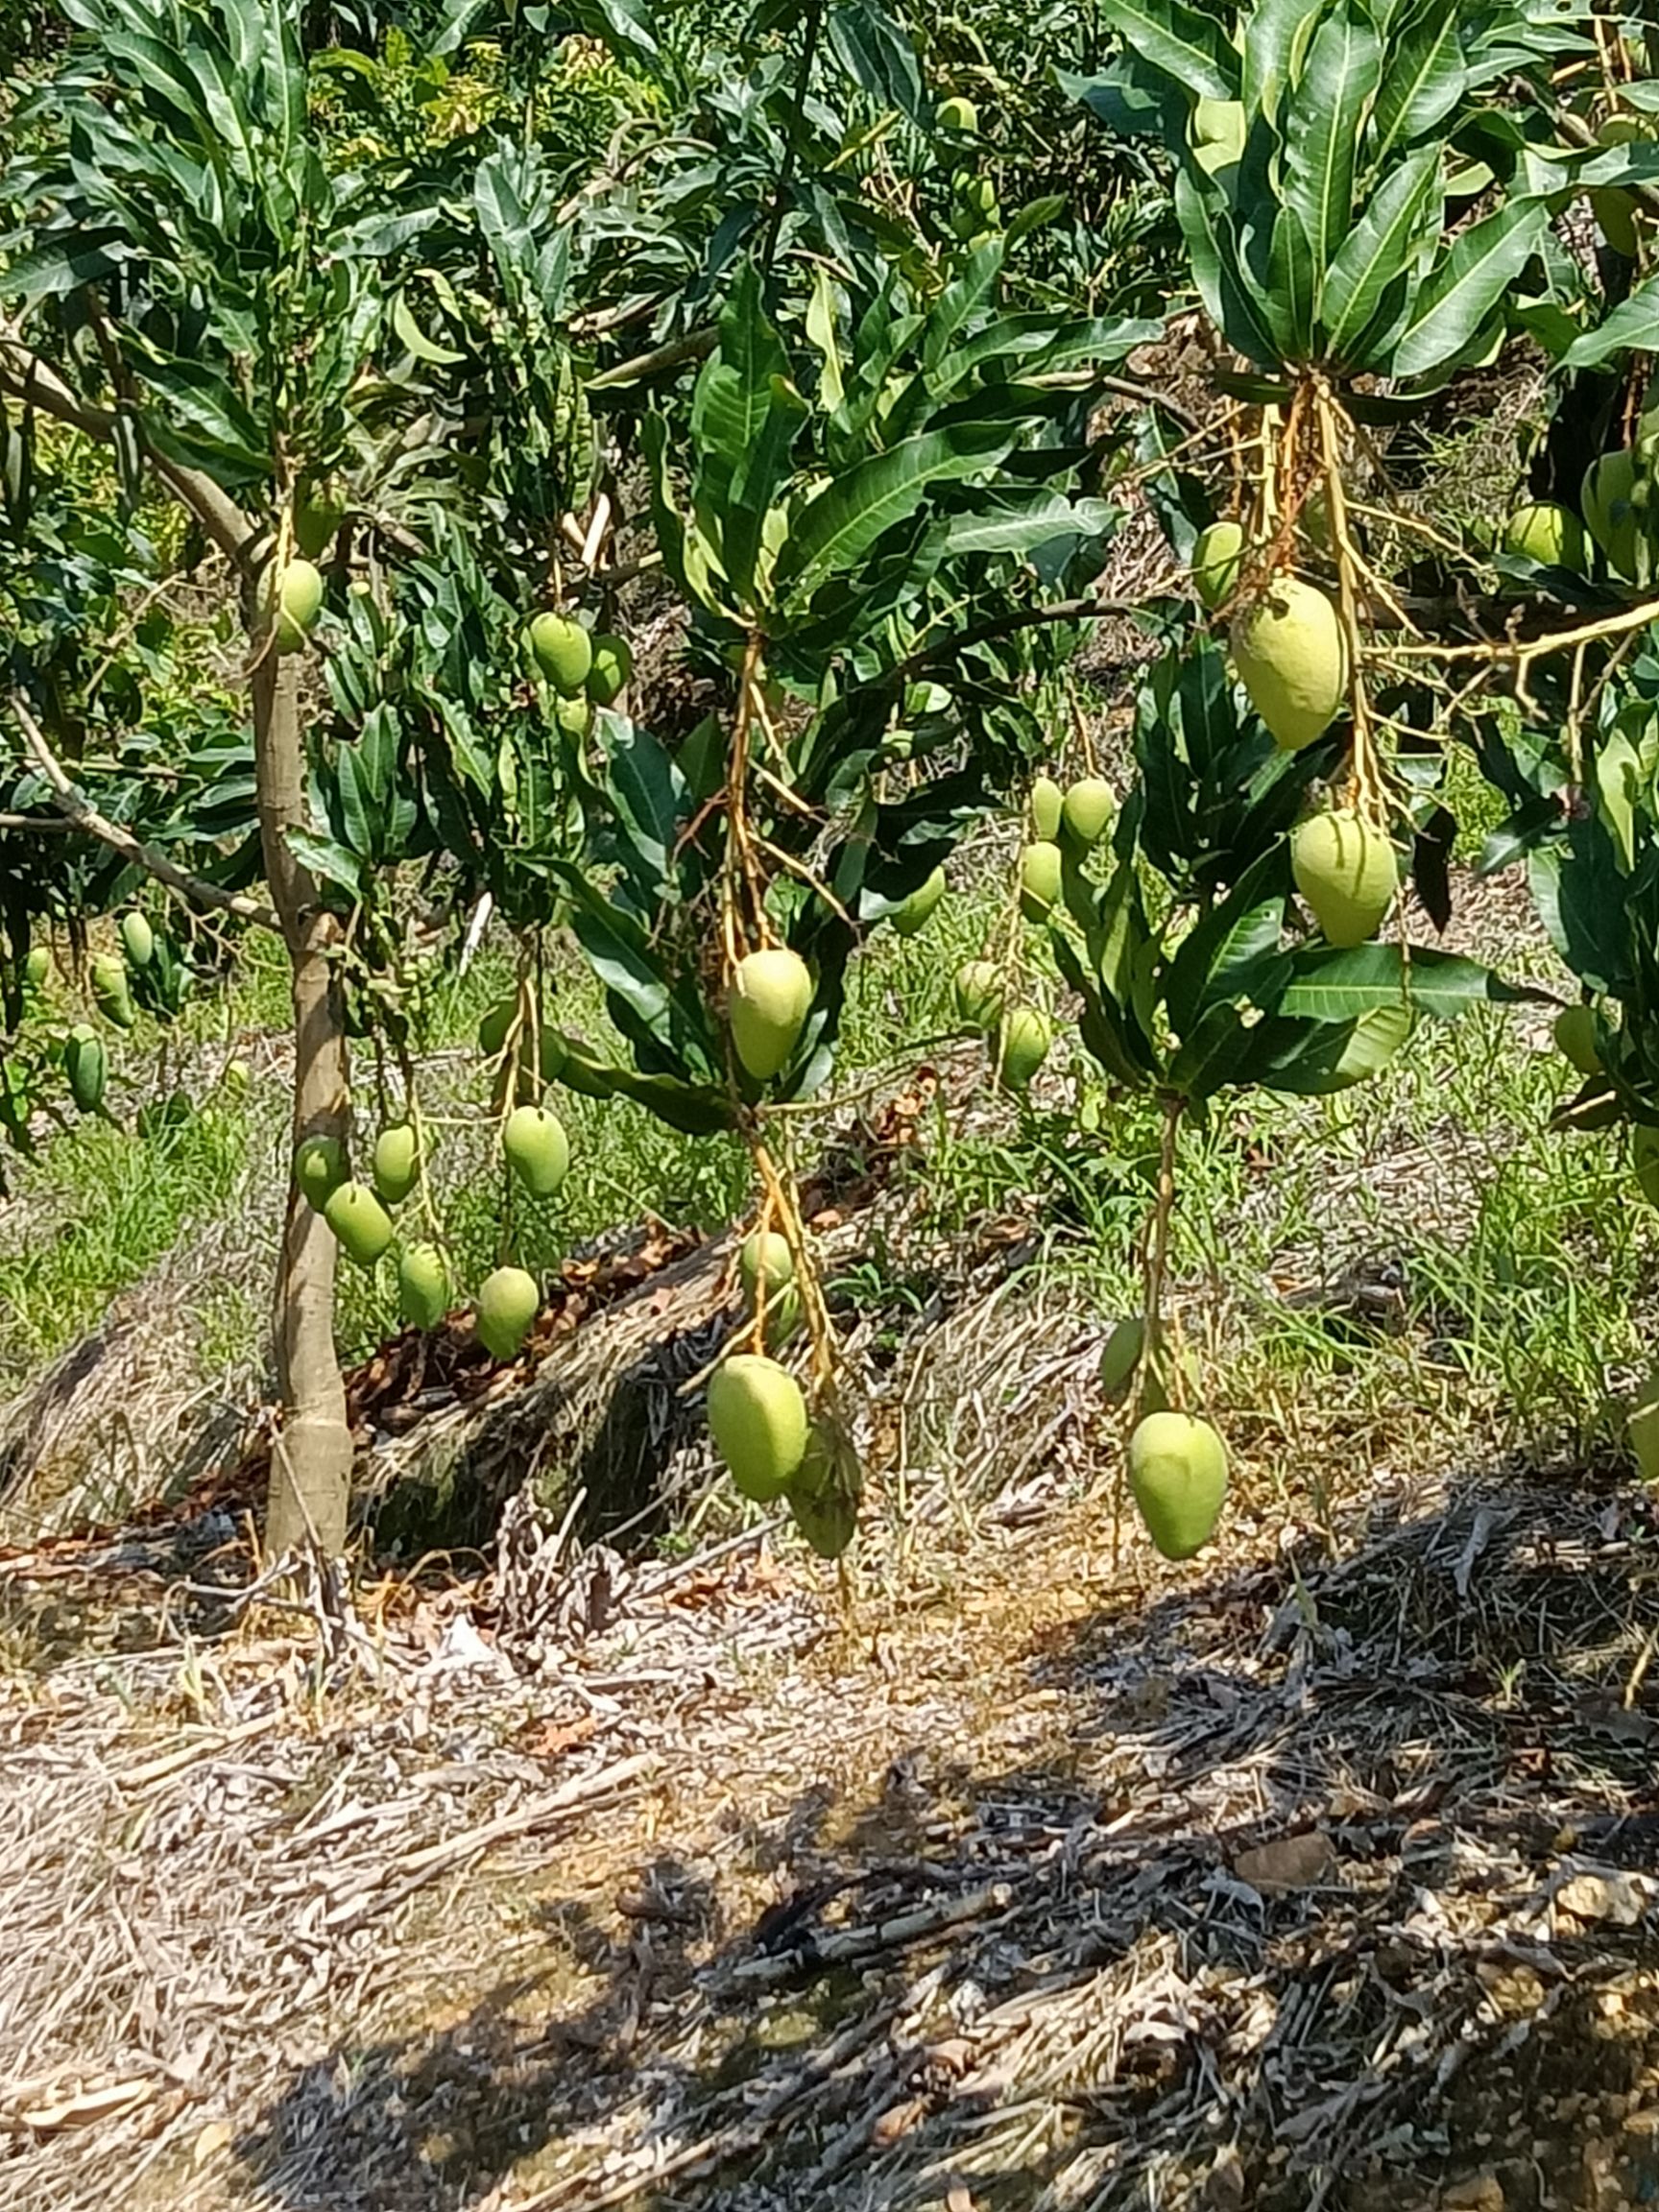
[[1216, 1055], [1323, 125], [835, 528], [1618, 781], [1375, 251], [876, 53], [1423, 79], [1482, 265], [1311, 1059], [1180, 42], [1289, 300], [1332, 986], [1271, 35], [1632, 327], [1233, 952], [1207, 227]]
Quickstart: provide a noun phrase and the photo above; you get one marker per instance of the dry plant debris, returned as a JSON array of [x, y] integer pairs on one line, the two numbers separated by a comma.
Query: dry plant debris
[[1302, 1882]]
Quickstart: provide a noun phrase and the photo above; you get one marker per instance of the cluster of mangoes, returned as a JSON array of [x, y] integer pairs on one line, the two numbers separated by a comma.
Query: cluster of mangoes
[[582, 668]]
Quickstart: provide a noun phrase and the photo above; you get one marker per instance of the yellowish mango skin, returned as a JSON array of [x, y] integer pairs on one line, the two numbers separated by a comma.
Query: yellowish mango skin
[[1291, 656]]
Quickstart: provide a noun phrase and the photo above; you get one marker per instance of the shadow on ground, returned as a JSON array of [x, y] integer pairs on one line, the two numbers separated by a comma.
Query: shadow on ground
[[1325, 1885]]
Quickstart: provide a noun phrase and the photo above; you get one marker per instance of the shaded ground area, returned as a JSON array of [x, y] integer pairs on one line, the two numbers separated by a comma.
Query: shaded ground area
[[1022, 1883]]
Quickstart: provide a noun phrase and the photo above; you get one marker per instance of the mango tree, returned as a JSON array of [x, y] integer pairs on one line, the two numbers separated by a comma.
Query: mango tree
[[197, 286]]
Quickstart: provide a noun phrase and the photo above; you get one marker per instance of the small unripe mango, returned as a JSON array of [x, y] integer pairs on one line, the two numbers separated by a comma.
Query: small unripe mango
[[1178, 1479], [1047, 802], [109, 992], [508, 1302], [958, 113], [1645, 1152], [318, 1170], [36, 967], [318, 512], [1575, 1038], [537, 1148], [85, 1066], [360, 1222], [295, 596], [1547, 532], [1040, 868], [758, 1419], [914, 912], [766, 1258], [1604, 499], [1292, 660], [137, 939], [563, 651], [1217, 557], [396, 1162], [1022, 1045], [612, 665], [1346, 871], [423, 1285], [979, 994], [770, 1000], [1086, 811]]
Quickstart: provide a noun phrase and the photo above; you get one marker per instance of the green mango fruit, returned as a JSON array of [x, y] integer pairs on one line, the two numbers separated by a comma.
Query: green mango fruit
[[110, 991], [493, 1025], [423, 1285], [1120, 1356], [914, 913], [758, 1419], [395, 1164], [764, 1259], [770, 999], [1547, 532], [1041, 869], [1645, 1152], [36, 967], [1048, 803], [137, 939], [293, 600], [1293, 658], [1178, 1479], [1576, 1039], [508, 1302], [1217, 559], [360, 1222], [1022, 1044], [1346, 872], [537, 1148], [563, 651], [1642, 1429], [1086, 811], [87, 1067], [318, 510], [613, 664], [979, 994], [958, 113], [1612, 520], [320, 1169]]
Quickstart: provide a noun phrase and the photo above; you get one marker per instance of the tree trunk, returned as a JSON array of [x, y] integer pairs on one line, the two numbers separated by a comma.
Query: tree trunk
[[311, 1461]]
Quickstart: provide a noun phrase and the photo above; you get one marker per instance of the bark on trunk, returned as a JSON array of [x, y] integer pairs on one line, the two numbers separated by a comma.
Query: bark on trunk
[[311, 1463]]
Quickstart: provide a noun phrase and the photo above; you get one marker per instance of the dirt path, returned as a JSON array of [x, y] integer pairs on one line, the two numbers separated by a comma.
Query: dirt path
[[1021, 1885]]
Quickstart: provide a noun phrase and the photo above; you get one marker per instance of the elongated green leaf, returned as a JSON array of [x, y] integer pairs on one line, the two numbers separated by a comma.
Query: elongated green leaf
[[1342, 986], [1322, 129], [1422, 82], [1375, 251], [1190, 48], [1234, 952], [1270, 38], [1291, 287], [1207, 226], [839, 524], [733, 394], [1632, 327], [1475, 275]]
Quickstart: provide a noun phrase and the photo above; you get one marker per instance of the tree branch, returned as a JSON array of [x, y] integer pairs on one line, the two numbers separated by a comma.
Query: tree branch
[[79, 811], [38, 384]]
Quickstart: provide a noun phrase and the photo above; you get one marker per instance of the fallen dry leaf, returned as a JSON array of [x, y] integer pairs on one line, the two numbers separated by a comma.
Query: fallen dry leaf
[[1287, 1863]]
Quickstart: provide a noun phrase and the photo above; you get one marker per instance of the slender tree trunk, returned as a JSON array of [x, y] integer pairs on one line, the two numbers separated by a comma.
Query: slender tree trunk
[[311, 1460]]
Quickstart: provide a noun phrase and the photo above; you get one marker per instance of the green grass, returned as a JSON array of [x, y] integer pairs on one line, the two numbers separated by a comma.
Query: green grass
[[1528, 1264]]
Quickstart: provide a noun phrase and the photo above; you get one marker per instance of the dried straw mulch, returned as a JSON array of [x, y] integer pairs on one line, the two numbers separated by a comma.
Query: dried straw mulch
[[1287, 1882]]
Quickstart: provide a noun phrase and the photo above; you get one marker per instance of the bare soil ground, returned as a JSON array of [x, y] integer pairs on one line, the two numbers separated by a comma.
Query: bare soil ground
[[1010, 1879]]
